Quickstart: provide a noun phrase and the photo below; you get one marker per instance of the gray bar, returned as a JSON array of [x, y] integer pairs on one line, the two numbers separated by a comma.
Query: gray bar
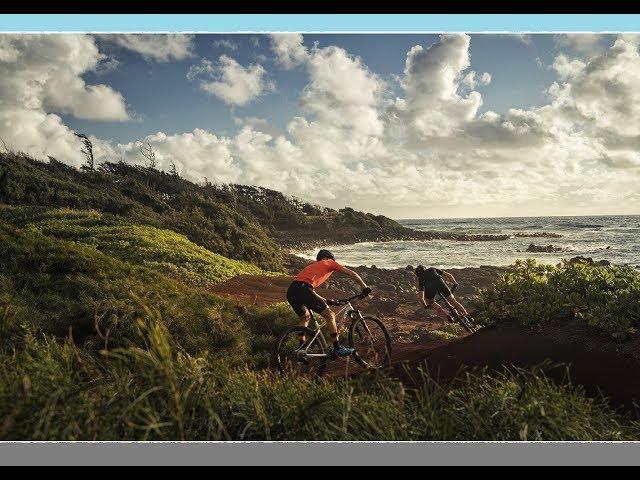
[[318, 453]]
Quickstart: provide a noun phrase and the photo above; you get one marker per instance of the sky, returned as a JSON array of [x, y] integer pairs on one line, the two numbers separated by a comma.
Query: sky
[[410, 126]]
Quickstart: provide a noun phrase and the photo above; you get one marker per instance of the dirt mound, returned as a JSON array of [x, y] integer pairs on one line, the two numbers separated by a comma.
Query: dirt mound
[[599, 364]]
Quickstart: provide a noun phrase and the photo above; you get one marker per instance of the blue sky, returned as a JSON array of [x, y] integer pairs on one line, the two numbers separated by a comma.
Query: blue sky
[[164, 100]]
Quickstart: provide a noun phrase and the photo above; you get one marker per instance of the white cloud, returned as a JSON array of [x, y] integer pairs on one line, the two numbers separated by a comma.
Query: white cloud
[[433, 105], [231, 82], [567, 68], [586, 44], [342, 92], [225, 43], [40, 77], [429, 152], [471, 80], [155, 46], [289, 49]]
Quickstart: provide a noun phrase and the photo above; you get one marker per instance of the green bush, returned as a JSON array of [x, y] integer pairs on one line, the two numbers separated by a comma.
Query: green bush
[[605, 297], [162, 250], [144, 196], [56, 286]]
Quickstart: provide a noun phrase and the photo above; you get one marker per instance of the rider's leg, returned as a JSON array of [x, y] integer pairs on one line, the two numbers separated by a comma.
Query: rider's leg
[[457, 305], [304, 322], [330, 317], [439, 310], [338, 349]]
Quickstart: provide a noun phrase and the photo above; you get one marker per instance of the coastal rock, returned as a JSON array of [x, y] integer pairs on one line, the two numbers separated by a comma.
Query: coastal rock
[[533, 248], [537, 235], [590, 261]]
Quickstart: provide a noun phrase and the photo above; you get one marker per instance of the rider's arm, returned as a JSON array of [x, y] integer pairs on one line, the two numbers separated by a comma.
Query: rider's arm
[[354, 275], [449, 277], [421, 298]]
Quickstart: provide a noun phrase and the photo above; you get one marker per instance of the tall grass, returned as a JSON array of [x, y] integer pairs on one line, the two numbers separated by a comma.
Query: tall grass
[[52, 389], [60, 287]]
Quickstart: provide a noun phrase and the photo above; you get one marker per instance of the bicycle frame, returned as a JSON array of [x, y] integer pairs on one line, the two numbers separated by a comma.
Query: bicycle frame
[[344, 314], [450, 307]]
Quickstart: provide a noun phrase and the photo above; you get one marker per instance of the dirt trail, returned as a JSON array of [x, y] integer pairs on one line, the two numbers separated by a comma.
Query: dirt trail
[[257, 290], [600, 364]]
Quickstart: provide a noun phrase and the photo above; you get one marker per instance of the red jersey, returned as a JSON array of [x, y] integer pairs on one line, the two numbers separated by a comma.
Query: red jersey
[[317, 273]]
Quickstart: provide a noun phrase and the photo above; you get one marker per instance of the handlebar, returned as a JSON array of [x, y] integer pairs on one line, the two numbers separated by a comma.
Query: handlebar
[[344, 301]]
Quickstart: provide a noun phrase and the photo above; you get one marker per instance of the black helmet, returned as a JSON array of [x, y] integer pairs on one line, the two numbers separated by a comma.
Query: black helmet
[[325, 255], [419, 270]]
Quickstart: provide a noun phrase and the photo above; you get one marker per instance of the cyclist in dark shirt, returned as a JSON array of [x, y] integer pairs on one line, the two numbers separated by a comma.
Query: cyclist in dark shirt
[[431, 281]]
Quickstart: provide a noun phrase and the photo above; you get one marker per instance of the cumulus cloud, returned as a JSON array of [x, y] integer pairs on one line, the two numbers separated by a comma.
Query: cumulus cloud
[[603, 93], [342, 92], [433, 105], [41, 77], [231, 82], [472, 80], [429, 152], [225, 43], [289, 49], [156, 47], [586, 44]]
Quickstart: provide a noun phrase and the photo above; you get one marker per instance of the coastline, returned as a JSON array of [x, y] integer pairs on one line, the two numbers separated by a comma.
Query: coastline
[[290, 240]]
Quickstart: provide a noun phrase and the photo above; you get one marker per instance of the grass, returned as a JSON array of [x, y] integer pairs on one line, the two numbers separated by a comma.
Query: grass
[[59, 286], [144, 197], [162, 250], [106, 331], [52, 389]]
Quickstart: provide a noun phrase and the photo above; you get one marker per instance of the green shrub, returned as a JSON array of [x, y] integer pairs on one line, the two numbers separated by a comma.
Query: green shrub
[[606, 297], [162, 250], [55, 286], [145, 196]]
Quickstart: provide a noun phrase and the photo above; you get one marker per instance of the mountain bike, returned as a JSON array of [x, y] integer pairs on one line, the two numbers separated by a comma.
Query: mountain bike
[[366, 334], [465, 321]]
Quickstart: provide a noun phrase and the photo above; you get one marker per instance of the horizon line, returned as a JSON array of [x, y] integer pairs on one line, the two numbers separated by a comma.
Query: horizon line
[[518, 216]]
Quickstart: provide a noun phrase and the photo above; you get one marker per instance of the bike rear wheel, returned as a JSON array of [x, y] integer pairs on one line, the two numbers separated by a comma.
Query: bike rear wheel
[[372, 343], [288, 358]]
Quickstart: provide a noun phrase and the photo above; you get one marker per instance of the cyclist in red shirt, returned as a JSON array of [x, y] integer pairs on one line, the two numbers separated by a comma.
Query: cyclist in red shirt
[[302, 297]]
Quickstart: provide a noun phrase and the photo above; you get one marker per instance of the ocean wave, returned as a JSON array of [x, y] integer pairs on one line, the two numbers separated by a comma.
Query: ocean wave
[[583, 225]]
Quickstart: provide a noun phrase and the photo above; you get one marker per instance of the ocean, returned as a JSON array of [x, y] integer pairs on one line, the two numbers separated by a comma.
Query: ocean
[[612, 238]]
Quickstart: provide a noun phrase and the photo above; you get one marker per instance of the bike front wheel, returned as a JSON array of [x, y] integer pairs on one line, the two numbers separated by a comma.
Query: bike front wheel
[[372, 343], [467, 324], [290, 359]]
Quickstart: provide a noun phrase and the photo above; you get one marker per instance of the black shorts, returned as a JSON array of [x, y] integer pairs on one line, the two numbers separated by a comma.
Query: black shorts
[[301, 297], [434, 287]]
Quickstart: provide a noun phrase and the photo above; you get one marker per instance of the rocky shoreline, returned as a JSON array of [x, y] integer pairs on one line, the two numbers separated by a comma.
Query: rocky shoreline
[[296, 242]]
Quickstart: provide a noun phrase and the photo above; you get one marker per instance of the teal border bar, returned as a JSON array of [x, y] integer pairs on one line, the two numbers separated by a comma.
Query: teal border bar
[[320, 23]]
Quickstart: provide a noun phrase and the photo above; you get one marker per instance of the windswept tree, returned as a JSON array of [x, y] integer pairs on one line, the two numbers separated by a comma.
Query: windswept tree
[[87, 151], [149, 153], [174, 170]]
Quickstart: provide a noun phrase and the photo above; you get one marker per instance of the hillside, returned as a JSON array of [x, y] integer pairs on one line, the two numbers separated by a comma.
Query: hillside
[[145, 197], [237, 221]]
